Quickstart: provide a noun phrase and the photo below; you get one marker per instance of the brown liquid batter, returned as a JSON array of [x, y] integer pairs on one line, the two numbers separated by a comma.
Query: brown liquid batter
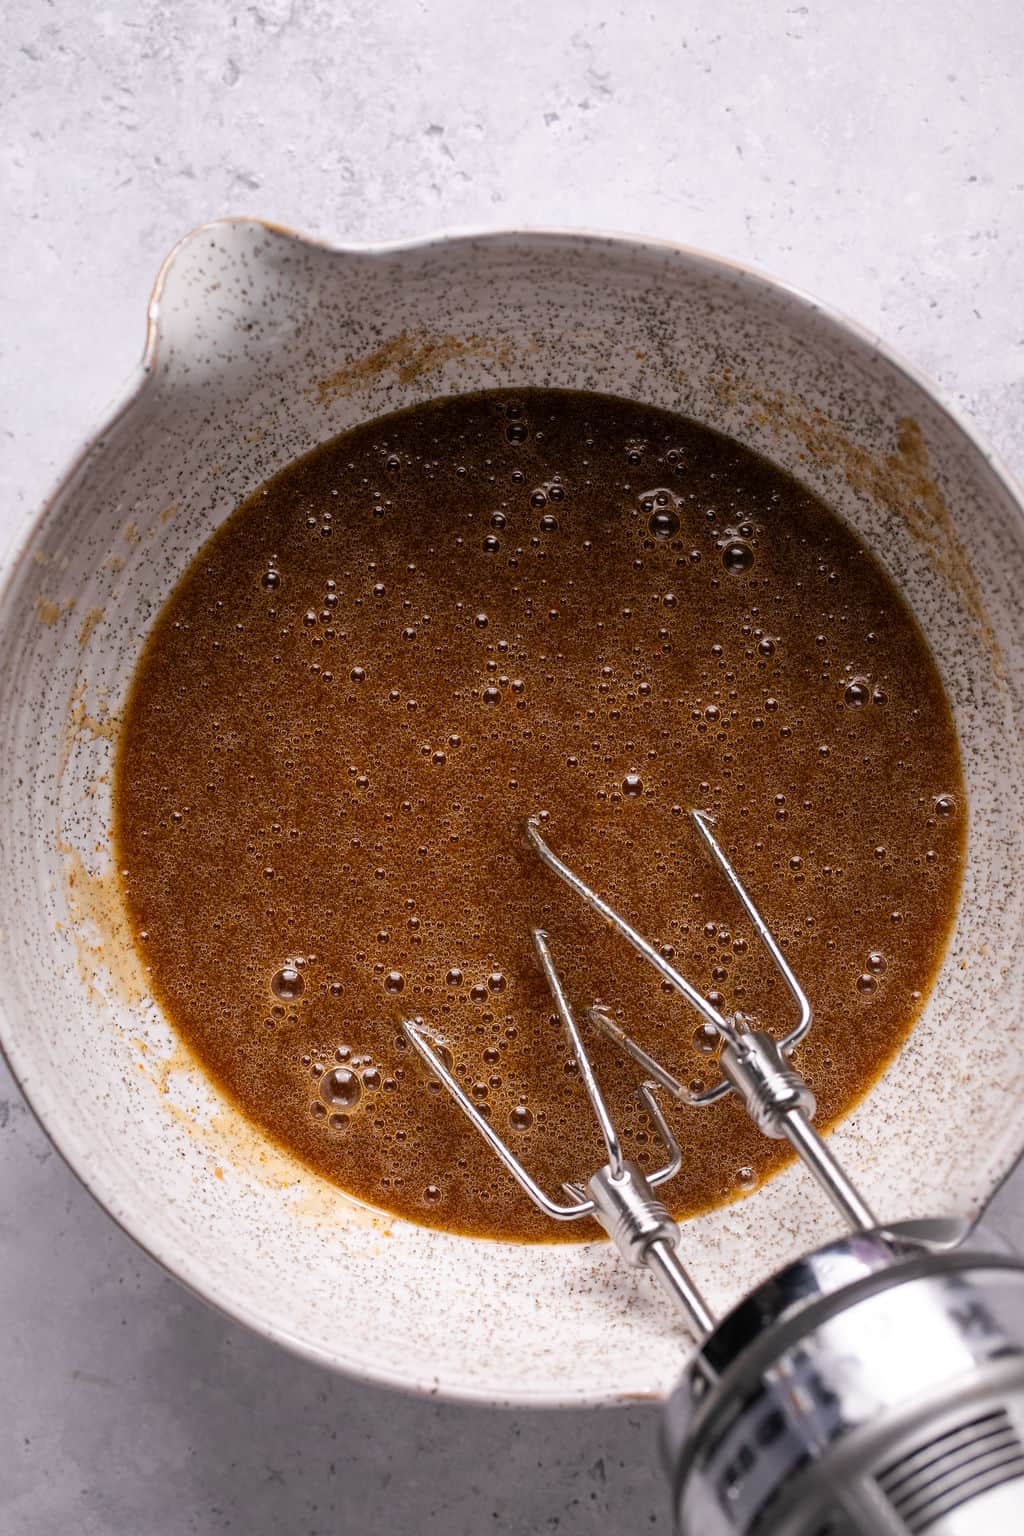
[[490, 606]]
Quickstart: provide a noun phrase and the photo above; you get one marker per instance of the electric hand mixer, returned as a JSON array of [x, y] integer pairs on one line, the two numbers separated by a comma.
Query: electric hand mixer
[[873, 1387]]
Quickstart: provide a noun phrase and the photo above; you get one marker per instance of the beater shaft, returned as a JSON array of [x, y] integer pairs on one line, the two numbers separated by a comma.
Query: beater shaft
[[664, 1264], [816, 1156], [781, 1105], [645, 1234]]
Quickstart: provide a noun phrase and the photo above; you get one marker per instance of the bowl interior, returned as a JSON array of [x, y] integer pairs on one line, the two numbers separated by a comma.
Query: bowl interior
[[262, 346]]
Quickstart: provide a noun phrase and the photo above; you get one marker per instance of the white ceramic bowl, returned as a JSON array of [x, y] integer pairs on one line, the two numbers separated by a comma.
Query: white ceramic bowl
[[262, 345]]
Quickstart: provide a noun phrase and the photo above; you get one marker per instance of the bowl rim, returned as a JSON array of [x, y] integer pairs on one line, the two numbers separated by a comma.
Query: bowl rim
[[176, 1261]]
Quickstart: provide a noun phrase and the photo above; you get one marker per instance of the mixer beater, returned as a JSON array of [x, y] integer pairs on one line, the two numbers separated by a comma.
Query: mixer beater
[[875, 1385]]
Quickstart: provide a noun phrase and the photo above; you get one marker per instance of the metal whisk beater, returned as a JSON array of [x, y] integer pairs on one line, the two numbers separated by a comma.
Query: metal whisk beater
[[756, 1066], [873, 1387]]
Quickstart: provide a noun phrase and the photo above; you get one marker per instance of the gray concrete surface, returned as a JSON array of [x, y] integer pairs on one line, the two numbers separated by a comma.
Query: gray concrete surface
[[872, 153]]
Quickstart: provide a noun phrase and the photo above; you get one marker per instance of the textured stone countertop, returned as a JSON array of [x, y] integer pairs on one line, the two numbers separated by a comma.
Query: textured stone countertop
[[872, 154]]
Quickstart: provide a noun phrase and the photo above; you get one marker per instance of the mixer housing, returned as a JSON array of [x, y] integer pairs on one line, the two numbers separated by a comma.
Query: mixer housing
[[875, 1387]]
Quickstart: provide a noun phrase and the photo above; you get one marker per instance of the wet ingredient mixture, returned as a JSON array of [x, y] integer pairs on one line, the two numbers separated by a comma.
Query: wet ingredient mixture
[[482, 608]]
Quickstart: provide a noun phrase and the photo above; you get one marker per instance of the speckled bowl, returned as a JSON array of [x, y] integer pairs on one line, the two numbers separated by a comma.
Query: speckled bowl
[[260, 346]]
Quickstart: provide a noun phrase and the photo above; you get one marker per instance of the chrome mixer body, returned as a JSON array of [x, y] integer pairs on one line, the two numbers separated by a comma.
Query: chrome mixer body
[[875, 1386]]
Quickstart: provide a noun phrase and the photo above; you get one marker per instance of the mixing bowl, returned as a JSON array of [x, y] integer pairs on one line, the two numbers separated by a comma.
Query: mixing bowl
[[262, 345]]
